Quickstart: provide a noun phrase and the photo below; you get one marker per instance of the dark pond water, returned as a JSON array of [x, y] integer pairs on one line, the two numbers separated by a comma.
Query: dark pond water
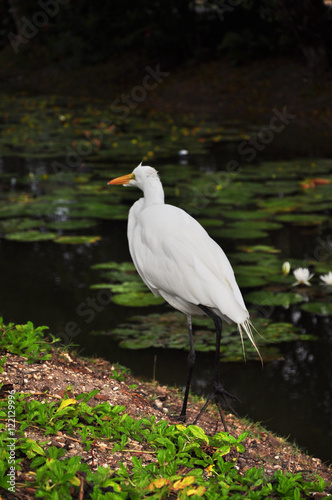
[[48, 283]]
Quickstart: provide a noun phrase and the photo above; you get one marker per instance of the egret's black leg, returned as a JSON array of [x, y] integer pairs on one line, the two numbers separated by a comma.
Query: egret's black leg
[[191, 362], [218, 392]]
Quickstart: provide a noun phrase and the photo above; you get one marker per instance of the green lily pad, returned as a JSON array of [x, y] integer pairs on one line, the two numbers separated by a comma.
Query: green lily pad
[[321, 308], [281, 187], [323, 267], [29, 236], [259, 248], [245, 214], [260, 274], [210, 223], [272, 299], [137, 299], [19, 224], [284, 332], [97, 210], [246, 281], [303, 219], [118, 272], [17, 209], [169, 330], [71, 224], [119, 266], [77, 240], [245, 233], [285, 204], [125, 287], [255, 224]]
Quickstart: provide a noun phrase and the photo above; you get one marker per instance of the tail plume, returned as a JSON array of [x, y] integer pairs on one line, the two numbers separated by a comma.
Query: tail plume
[[248, 327]]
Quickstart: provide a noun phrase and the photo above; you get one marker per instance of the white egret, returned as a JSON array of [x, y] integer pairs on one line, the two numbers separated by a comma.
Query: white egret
[[177, 259]]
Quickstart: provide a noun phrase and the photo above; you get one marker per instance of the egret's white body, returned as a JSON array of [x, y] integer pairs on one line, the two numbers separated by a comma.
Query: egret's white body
[[177, 259]]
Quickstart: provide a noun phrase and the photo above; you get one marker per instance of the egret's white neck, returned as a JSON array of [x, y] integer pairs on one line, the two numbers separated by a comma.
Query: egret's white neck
[[153, 192]]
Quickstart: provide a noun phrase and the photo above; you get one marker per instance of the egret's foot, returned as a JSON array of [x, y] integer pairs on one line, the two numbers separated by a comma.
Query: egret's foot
[[177, 419], [220, 395]]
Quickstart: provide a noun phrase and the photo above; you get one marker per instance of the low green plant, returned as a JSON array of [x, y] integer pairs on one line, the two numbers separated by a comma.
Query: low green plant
[[119, 372], [185, 461], [26, 341]]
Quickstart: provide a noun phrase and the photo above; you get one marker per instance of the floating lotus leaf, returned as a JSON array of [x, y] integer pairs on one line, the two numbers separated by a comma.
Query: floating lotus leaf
[[98, 210], [71, 224], [247, 281], [120, 266], [284, 332], [19, 224], [16, 209], [256, 224], [269, 261], [100, 286], [211, 223], [262, 269], [169, 330], [172, 173], [29, 236], [259, 248], [303, 219], [248, 233], [136, 299], [125, 287], [318, 207], [77, 240], [117, 276], [279, 187], [245, 214], [292, 169], [323, 267], [272, 299], [96, 188], [285, 204], [116, 272], [256, 275], [321, 308]]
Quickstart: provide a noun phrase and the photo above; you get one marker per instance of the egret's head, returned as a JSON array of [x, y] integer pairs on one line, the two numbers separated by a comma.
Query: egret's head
[[137, 178]]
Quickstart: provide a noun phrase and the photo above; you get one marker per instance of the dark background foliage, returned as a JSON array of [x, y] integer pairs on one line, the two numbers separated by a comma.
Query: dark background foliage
[[76, 32]]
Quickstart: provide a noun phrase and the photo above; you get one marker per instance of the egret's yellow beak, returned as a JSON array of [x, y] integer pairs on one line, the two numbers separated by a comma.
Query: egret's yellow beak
[[123, 180]]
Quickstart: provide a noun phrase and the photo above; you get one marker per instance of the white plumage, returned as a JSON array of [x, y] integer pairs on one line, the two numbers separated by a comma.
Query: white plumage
[[177, 259]]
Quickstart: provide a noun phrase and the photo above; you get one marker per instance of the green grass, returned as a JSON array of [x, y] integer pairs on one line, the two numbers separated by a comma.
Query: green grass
[[185, 461]]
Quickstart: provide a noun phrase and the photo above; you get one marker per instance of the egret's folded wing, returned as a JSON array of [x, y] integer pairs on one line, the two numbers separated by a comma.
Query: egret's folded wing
[[174, 255]]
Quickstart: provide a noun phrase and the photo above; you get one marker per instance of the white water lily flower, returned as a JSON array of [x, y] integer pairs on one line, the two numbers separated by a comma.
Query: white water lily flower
[[327, 278], [302, 276], [286, 268]]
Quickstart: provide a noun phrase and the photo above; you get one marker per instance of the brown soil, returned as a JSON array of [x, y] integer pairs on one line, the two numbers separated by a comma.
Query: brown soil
[[48, 381]]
